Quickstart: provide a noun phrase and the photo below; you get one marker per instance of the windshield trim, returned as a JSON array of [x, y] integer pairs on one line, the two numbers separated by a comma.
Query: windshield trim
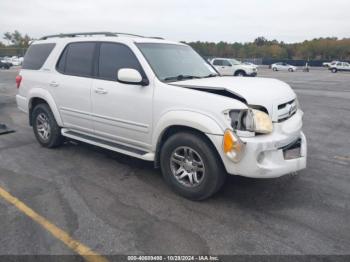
[[177, 44]]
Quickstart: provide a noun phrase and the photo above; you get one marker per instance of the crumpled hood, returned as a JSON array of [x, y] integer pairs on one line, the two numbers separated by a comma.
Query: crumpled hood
[[265, 92]]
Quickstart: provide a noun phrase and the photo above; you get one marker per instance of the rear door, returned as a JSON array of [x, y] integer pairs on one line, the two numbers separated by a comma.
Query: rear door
[[71, 87], [121, 112]]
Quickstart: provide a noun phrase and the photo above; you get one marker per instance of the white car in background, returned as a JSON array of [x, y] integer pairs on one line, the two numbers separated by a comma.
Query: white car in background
[[14, 60], [283, 67], [339, 66], [233, 67]]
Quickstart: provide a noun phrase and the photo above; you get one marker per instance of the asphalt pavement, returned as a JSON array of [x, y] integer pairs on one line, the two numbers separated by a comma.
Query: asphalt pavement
[[116, 204]]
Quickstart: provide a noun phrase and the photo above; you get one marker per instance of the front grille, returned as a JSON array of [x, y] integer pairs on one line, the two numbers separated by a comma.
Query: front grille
[[286, 110]]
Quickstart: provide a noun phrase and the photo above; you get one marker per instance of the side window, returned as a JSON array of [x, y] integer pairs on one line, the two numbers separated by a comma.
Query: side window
[[77, 59], [217, 62], [36, 56], [114, 56], [338, 64], [226, 63], [61, 65]]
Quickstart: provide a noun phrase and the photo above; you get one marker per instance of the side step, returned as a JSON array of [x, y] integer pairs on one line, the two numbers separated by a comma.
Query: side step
[[120, 148]]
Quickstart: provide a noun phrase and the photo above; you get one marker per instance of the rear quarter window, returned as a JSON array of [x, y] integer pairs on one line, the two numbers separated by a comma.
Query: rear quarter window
[[77, 59], [36, 56]]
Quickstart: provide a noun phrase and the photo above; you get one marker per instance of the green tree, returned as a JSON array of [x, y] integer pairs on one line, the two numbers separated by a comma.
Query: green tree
[[17, 39]]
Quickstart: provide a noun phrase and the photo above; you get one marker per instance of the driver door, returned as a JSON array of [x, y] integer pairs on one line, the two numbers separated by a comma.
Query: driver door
[[120, 112], [227, 68]]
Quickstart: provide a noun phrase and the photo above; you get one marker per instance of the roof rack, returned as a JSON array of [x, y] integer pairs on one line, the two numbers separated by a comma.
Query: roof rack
[[92, 33], [79, 34]]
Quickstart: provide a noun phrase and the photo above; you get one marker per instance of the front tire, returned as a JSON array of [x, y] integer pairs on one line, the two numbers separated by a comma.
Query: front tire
[[334, 70], [240, 73], [191, 167], [274, 69], [290, 70], [45, 127]]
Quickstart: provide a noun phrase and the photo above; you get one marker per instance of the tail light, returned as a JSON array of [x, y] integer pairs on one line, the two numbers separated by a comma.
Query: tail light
[[18, 80]]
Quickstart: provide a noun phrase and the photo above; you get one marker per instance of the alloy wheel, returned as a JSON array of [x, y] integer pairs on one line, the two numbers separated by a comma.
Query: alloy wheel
[[187, 166]]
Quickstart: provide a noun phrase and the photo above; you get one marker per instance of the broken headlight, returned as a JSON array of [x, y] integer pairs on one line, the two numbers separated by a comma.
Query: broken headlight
[[251, 120]]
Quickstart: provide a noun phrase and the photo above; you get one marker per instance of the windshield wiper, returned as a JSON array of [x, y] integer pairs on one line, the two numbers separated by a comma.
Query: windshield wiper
[[180, 77]]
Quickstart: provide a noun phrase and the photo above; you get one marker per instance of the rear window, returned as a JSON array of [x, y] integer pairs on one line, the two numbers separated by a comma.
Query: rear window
[[77, 59], [36, 56]]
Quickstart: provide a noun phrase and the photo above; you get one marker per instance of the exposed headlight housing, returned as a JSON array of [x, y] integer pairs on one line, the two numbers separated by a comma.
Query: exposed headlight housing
[[251, 120]]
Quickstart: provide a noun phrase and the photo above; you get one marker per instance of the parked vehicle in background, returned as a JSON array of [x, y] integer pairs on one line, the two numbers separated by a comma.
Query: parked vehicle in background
[[283, 67], [160, 101], [233, 67], [339, 66], [328, 64], [14, 60], [5, 65]]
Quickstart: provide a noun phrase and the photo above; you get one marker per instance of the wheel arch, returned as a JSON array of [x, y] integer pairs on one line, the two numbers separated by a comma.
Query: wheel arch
[[38, 96], [184, 123], [239, 71]]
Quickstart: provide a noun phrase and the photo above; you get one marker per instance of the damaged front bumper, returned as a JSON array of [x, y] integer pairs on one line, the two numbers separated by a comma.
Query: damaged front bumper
[[282, 152]]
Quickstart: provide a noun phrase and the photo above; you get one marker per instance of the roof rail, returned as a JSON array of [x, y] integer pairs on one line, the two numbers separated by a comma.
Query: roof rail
[[128, 34], [156, 37], [92, 33], [79, 34]]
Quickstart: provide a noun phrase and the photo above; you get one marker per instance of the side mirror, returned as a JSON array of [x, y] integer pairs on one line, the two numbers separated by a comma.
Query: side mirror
[[131, 76]]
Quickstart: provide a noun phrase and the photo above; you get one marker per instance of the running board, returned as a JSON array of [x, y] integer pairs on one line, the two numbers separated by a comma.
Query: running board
[[109, 145]]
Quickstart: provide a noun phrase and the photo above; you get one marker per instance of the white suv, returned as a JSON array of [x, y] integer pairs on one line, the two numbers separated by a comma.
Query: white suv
[[233, 67], [339, 66], [160, 101]]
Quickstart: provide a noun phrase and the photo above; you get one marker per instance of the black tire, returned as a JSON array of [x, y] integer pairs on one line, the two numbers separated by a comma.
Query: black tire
[[240, 73], [214, 175], [334, 70], [290, 70], [54, 138], [274, 69]]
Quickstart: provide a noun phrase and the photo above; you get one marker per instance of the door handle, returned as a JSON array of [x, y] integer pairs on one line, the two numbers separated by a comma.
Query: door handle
[[100, 90], [54, 84]]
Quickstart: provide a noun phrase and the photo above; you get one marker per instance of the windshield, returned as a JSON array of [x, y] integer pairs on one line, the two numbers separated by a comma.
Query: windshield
[[235, 62], [172, 62]]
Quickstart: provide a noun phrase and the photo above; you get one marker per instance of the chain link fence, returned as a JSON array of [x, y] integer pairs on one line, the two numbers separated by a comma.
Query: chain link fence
[[10, 51]]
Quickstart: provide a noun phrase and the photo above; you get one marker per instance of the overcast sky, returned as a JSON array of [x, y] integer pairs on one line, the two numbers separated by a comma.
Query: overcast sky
[[191, 20]]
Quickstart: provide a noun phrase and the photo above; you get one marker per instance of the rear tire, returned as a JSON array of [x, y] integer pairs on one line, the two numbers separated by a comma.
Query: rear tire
[[45, 127], [175, 164], [290, 70]]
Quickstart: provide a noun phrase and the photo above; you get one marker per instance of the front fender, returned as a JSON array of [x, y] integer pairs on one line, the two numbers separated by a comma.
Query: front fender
[[45, 95], [192, 119]]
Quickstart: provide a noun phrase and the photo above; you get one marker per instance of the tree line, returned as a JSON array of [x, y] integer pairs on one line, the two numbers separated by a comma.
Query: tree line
[[317, 49]]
